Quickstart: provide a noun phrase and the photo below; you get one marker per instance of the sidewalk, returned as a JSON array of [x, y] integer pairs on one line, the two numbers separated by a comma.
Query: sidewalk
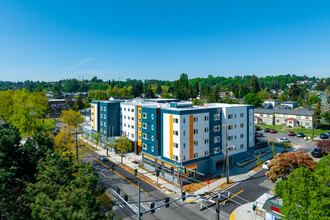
[[245, 212], [128, 161]]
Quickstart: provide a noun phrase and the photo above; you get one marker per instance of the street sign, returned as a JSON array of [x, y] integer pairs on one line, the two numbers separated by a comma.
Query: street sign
[[180, 169], [208, 182]]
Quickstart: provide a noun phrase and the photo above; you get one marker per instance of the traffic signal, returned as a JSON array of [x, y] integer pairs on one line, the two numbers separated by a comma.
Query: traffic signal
[[152, 205], [183, 196], [172, 170], [135, 172], [126, 198], [113, 166], [166, 201], [157, 172], [118, 191]]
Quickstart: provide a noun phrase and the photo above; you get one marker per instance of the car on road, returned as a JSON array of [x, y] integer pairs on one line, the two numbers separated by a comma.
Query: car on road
[[300, 135], [265, 165], [102, 158], [291, 133], [283, 140], [318, 152], [258, 134], [57, 130], [257, 128], [324, 136], [273, 131], [266, 130]]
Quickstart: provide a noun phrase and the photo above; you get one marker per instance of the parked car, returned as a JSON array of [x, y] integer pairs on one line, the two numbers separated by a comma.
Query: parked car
[[102, 158], [291, 133], [266, 130], [283, 140], [324, 136], [300, 135], [258, 134], [318, 152], [273, 131], [265, 165], [327, 133], [257, 128]]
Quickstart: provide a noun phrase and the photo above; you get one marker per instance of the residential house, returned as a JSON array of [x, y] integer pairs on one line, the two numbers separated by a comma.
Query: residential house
[[290, 104]]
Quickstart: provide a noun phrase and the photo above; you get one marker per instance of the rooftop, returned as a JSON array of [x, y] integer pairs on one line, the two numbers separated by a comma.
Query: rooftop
[[284, 111]]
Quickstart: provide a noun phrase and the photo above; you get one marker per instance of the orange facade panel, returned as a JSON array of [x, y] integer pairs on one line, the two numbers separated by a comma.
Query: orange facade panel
[[94, 113], [139, 126], [191, 136]]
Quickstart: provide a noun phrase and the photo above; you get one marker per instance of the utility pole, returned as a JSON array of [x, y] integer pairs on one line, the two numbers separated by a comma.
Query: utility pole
[[139, 205], [313, 127], [227, 167], [77, 146]]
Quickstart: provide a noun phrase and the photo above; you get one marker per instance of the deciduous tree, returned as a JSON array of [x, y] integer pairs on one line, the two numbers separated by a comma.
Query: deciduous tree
[[284, 163], [252, 99], [123, 144], [72, 118]]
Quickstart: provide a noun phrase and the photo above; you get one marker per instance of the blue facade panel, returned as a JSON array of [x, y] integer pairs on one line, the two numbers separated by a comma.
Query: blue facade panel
[[151, 131]]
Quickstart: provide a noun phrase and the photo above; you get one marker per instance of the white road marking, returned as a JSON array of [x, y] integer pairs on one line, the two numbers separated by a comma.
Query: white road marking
[[144, 206], [102, 174]]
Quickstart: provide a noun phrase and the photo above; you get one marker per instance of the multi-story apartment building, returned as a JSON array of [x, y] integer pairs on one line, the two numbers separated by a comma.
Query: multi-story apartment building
[[172, 134], [287, 117]]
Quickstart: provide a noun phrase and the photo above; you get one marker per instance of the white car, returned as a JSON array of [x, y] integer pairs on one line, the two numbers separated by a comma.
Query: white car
[[102, 158], [265, 165], [283, 140]]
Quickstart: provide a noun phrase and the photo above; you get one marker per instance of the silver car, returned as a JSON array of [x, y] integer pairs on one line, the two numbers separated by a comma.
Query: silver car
[[283, 140]]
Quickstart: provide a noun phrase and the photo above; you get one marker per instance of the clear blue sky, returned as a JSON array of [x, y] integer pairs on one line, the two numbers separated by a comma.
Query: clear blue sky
[[51, 40]]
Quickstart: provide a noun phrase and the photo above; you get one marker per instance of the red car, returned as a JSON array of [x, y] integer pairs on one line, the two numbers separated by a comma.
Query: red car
[[273, 131], [291, 133]]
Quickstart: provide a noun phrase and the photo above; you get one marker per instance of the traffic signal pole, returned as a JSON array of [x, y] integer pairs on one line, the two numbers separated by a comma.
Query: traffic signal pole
[[139, 205]]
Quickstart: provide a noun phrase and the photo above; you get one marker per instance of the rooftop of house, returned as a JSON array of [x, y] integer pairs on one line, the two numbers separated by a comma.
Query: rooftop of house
[[289, 102], [284, 111]]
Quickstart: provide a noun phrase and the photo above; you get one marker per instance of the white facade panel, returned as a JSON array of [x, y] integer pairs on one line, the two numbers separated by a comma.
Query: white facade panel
[[129, 121]]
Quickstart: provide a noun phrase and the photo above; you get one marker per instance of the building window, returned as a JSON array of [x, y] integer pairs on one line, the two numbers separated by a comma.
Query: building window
[[230, 127], [175, 120], [152, 138], [184, 133], [206, 118], [101, 108], [175, 157], [144, 146], [139, 137], [152, 127], [128, 125], [307, 124], [139, 120], [217, 150], [184, 145], [124, 116], [242, 115], [125, 109], [242, 125], [128, 118], [152, 116], [230, 116], [101, 116], [195, 131], [176, 133], [132, 118], [216, 117], [195, 155], [175, 145], [105, 116], [101, 123], [195, 143], [139, 111], [241, 135], [132, 110], [242, 146], [132, 126], [145, 136], [152, 148], [216, 128], [206, 152], [139, 129], [124, 125], [206, 129], [144, 115], [195, 119], [184, 120], [128, 109], [206, 141], [144, 126], [230, 138], [216, 139], [132, 135], [101, 130]]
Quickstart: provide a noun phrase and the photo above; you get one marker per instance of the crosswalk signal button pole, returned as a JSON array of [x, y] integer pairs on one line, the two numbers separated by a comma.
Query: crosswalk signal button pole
[[166, 201], [152, 205]]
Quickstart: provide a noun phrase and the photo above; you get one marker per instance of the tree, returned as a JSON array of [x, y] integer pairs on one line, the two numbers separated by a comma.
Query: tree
[[317, 115], [18, 166], [79, 103], [252, 99], [323, 144], [295, 92], [313, 99], [97, 137], [305, 194], [258, 159], [326, 116], [64, 190], [72, 118], [284, 163], [255, 88], [123, 144]]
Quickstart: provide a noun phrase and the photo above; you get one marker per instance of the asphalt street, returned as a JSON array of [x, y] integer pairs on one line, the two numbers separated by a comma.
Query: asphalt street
[[127, 183]]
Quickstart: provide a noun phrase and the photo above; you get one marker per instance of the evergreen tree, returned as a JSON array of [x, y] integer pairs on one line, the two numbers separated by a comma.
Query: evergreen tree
[[255, 88]]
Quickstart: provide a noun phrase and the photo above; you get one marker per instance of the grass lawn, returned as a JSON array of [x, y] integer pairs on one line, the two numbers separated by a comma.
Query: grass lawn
[[278, 128]]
